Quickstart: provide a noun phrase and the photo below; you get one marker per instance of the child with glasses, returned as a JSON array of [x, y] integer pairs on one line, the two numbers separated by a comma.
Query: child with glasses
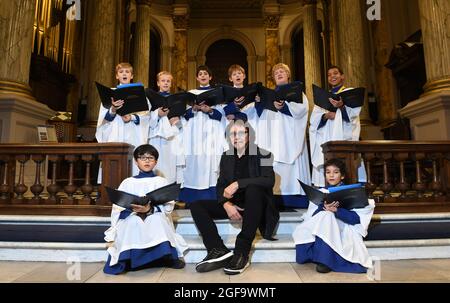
[[143, 236]]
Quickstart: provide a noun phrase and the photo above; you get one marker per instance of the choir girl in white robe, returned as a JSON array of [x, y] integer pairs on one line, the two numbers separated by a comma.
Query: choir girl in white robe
[[131, 129], [283, 134], [166, 136], [327, 126], [203, 143], [145, 235], [331, 236]]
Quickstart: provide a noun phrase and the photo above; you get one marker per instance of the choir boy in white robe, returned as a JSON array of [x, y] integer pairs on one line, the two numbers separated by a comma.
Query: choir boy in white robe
[[203, 143], [283, 134], [165, 135], [327, 126], [331, 236], [131, 129], [145, 235], [236, 75]]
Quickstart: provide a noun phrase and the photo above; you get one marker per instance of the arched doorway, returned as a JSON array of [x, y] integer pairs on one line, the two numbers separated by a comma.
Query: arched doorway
[[223, 53]]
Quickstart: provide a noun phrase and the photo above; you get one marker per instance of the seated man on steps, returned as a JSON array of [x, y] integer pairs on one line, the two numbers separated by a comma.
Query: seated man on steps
[[244, 193]]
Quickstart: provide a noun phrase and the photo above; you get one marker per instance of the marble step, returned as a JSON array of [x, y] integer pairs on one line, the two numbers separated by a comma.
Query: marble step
[[282, 250], [184, 223]]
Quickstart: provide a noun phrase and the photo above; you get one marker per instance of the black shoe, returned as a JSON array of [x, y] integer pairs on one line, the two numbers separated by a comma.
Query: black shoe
[[177, 264], [237, 265], [323, 269], [216, 258]]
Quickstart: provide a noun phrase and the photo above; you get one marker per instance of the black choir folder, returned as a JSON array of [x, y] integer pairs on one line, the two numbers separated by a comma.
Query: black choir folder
[[249, 93], [351, 98], [133, 96], [158, 196], [176, 103], [291, 92], [210, 97], [349, 196]]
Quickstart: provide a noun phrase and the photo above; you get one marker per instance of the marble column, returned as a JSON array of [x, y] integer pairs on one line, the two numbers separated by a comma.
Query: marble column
[[101, 52], [351, 53], [141, 63], [430, 114], [385, 82], [435, 22], [180, 20], [312, 48], [272, 50], [16, 34], [19, 111]]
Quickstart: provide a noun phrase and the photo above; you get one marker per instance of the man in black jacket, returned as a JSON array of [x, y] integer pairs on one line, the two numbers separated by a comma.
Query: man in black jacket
[[244, 193]]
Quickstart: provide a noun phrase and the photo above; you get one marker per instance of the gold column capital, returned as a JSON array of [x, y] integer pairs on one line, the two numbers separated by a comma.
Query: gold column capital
[[271, 22], [180, 22]]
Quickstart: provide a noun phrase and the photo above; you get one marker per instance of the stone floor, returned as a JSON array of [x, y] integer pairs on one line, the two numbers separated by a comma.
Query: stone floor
[[411, 271]]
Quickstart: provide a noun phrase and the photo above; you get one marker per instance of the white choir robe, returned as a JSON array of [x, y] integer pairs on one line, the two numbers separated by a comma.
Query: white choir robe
[[333, 130], [284, 137], [344, 239], [121, 132], [134, 233], [167, 139], [203, 142]]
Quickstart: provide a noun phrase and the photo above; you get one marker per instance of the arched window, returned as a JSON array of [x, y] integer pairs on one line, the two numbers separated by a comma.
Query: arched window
[[223, 53]]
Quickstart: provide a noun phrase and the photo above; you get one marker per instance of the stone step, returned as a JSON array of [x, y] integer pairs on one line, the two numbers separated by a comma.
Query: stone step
[[184, 223], [282, 250]]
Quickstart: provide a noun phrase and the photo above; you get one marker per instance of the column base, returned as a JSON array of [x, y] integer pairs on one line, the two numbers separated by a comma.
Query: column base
[[429, 116], [19, 116]]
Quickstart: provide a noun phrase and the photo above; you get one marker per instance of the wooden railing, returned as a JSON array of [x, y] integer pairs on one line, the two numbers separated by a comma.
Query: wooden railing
[[401, 175], [69, 191]]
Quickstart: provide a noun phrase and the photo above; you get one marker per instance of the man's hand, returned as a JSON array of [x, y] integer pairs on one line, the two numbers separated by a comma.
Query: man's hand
[[141, 208], [126, 118], [337, 104], [174, 120], [233, 211], [230, 190], [278, 104], [116, 105], [162, 112], [330, 115], [333, 206]]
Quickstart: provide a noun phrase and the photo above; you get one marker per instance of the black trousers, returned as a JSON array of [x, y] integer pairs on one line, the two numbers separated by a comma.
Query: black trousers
[[205, 211]]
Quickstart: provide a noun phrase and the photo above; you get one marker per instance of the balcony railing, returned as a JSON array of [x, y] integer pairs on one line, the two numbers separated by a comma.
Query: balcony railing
[[401, 175], [63, 178]]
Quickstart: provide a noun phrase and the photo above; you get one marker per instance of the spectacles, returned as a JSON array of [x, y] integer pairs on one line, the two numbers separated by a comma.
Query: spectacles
[[144, 158], [238, 134]]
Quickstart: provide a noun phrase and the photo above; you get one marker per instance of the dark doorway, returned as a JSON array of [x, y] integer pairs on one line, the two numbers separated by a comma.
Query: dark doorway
[[298, 56], [221, 55], [155, 57]]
